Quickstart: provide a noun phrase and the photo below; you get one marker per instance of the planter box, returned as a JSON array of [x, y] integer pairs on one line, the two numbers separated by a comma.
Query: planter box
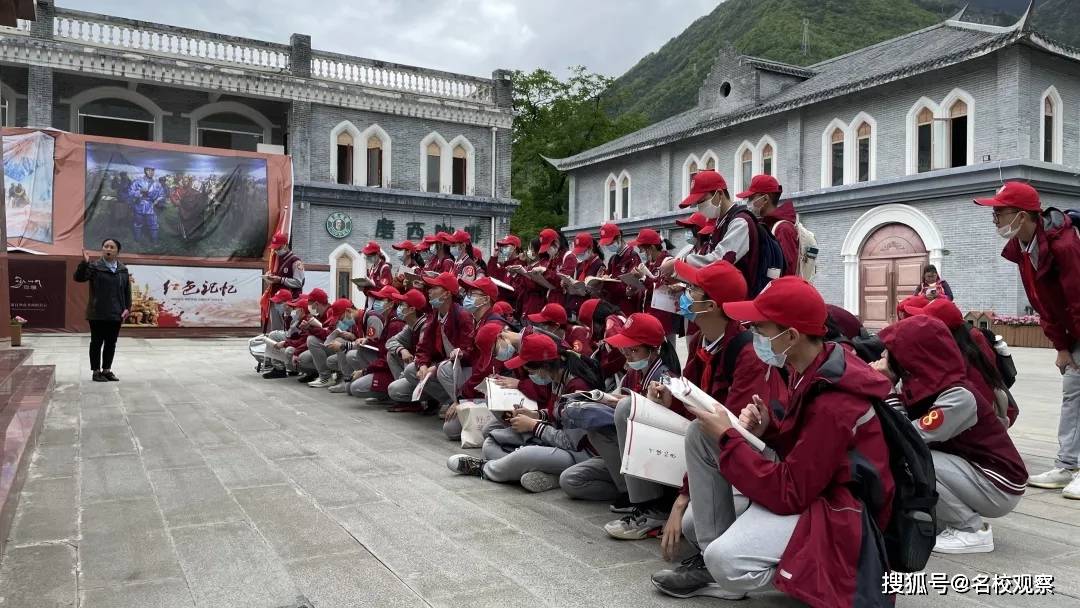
[[1022, 335]]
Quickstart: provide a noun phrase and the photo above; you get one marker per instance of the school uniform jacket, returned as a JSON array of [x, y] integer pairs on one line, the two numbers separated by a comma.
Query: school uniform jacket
[[483, 361], [621, 294], [830, 560], [638, 381], [379, 368], [549, 430], [591, 267], [534, 295], [467, 268], [781, 223], [945, 410], [406, 338], [735, 239], [443, 335], [1053, 282], [666, 318], [380, 274], [439, 266]]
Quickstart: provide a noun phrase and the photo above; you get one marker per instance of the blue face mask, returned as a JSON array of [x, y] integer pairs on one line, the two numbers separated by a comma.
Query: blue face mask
[[539, 379], [505, 352], [638, 365], [400, 313], [690, 240], [346, 324], [764, 351], [436, 302], [581, 257], [611, 249], [684, 307], [455, 251], [470, 303], [378, 306]]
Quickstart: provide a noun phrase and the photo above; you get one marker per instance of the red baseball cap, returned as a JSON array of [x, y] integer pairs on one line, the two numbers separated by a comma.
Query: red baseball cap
[[1014, 194], [547, 237], [647, 236], [640, 328], [340, 305], [582, 243], [426, 243], [300, 302], [371, 248], [281, 295], [503, 309], [414, 298], [443, 237], [761, 184], [510, 240], [404, 246], [702, 185], [586, 311], [943, 309], [608, 233], [485, 285], [460, 236], [550, 313], [695, 221], [279, 239], [534, 347], [445, 280], [384, 293], [721, 281], [910, 303], [788, 301], [318, 295]]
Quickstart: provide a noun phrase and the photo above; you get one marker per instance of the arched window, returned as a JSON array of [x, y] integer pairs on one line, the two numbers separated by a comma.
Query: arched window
[[924, 123], [612, 199], [229, 131], [459, 170], [767, 159], [374, 168], [374, 162], [836, 157], [746, 168], [958, 134], [433, 162], [862, 151], [345, 146], [112, 117], [1052, 126], [691, 172], [710, 164], [624, 195]]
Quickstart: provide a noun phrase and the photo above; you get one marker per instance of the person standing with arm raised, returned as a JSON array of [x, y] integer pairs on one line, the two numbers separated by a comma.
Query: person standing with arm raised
[[108, 306]]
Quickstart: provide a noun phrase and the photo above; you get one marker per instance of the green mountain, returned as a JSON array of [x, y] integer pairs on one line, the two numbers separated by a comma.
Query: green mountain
[[666, 82]]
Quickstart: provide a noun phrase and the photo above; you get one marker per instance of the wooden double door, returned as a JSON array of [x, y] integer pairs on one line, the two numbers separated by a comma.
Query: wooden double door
[[891, 262]]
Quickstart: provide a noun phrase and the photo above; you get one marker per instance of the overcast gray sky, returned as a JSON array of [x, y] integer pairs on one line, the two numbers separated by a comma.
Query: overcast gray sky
[[468, 36]]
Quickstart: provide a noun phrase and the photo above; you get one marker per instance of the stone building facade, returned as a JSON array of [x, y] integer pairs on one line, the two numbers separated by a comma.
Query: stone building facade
[[881, 151], [400, 150]]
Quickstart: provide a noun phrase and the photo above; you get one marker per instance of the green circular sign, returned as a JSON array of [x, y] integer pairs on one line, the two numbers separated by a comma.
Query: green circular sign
[[339, 225]]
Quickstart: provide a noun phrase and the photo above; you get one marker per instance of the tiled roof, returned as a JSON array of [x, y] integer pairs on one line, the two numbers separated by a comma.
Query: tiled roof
[[928, 49]]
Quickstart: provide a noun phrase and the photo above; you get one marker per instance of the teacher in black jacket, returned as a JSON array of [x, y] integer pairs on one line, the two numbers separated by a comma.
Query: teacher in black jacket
[[109, 305]]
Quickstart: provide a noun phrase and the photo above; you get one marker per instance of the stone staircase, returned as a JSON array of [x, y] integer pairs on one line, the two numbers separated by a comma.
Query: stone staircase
[[25, 390]]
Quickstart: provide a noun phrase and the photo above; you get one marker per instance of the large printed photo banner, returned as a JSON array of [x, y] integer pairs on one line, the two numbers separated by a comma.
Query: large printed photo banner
[[178, 296], [162, 202], [28, 176]]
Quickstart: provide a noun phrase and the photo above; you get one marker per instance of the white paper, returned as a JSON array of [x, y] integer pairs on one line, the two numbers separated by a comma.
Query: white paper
[[419, 390], [662, 299], [501, 399], [474, 418], [499, 283], [632, 280], [655, 443], [691, 394]]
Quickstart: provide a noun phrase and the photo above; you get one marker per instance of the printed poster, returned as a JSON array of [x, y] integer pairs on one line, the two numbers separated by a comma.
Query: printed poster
[[28, 177], [38, 291], [187, 296]]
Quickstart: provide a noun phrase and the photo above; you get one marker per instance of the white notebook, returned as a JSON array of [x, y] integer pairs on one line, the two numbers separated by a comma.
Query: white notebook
[[654, 448]]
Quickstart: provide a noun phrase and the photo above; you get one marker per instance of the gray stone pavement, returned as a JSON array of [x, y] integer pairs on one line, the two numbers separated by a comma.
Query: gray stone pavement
[[193, 482]]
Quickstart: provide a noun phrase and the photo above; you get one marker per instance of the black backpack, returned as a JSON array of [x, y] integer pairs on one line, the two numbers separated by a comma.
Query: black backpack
[[770, 258], [1003, 363]]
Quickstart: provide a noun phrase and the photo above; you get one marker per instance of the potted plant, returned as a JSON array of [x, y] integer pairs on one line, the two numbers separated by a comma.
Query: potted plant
[[16, 330], [1020, 330]]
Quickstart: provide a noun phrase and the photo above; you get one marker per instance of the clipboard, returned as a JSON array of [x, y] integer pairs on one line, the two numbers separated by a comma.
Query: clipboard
[[363, 283], [538, 277], [500, 284]]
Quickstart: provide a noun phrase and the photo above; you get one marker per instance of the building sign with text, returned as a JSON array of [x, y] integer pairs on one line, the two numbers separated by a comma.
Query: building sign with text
[[38, 291]]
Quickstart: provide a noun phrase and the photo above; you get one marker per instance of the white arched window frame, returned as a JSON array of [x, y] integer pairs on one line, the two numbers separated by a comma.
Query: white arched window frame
[[362, 148], [737, 174], [611, 198], [912, 135], [444, 161], [691, 165], [358, 159], [853, 137], [230, 107], [128, 95], [359, 268], [942, 124], [826, 152], [8, 97], [624, 195], [1057, 143], [759, 160], [470, 163], [709, 157]]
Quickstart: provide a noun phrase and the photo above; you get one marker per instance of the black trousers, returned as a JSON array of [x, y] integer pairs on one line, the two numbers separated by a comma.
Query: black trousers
[[103, 343]]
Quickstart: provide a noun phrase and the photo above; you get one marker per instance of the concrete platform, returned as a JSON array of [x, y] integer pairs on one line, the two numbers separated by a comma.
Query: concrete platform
[[193, 482]]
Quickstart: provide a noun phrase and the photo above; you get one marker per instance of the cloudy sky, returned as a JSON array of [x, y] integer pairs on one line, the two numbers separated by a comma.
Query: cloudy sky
[[467, 36]]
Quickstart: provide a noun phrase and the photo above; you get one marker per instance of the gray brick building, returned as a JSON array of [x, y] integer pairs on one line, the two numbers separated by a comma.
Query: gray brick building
[[401, 150], [881, 151]]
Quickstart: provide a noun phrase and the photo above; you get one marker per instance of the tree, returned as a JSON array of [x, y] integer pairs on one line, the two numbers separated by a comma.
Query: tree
[[556, 119]]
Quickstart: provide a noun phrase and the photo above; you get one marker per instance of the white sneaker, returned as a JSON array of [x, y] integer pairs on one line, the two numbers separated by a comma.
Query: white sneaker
[[321, 383], [539, 481], [954, 542], [1072, 490], [340, 387], [635, 526], [1053, 479]]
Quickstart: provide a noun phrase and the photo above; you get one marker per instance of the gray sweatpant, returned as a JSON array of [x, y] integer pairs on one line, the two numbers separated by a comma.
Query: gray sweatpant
[[318, 350], [1069, 423], [965, 495], [502, 467], [280, 356], [401, 390], [350, 361]]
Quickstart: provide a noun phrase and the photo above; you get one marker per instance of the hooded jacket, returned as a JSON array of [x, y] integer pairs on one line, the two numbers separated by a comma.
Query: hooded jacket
[[1052, 285], [781, 223], [830, 560], [950, 415]]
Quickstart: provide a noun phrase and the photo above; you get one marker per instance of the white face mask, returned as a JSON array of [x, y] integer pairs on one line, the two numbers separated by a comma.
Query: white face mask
[[1009, 230], [690, 240], [313, 310], [709, 210]]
